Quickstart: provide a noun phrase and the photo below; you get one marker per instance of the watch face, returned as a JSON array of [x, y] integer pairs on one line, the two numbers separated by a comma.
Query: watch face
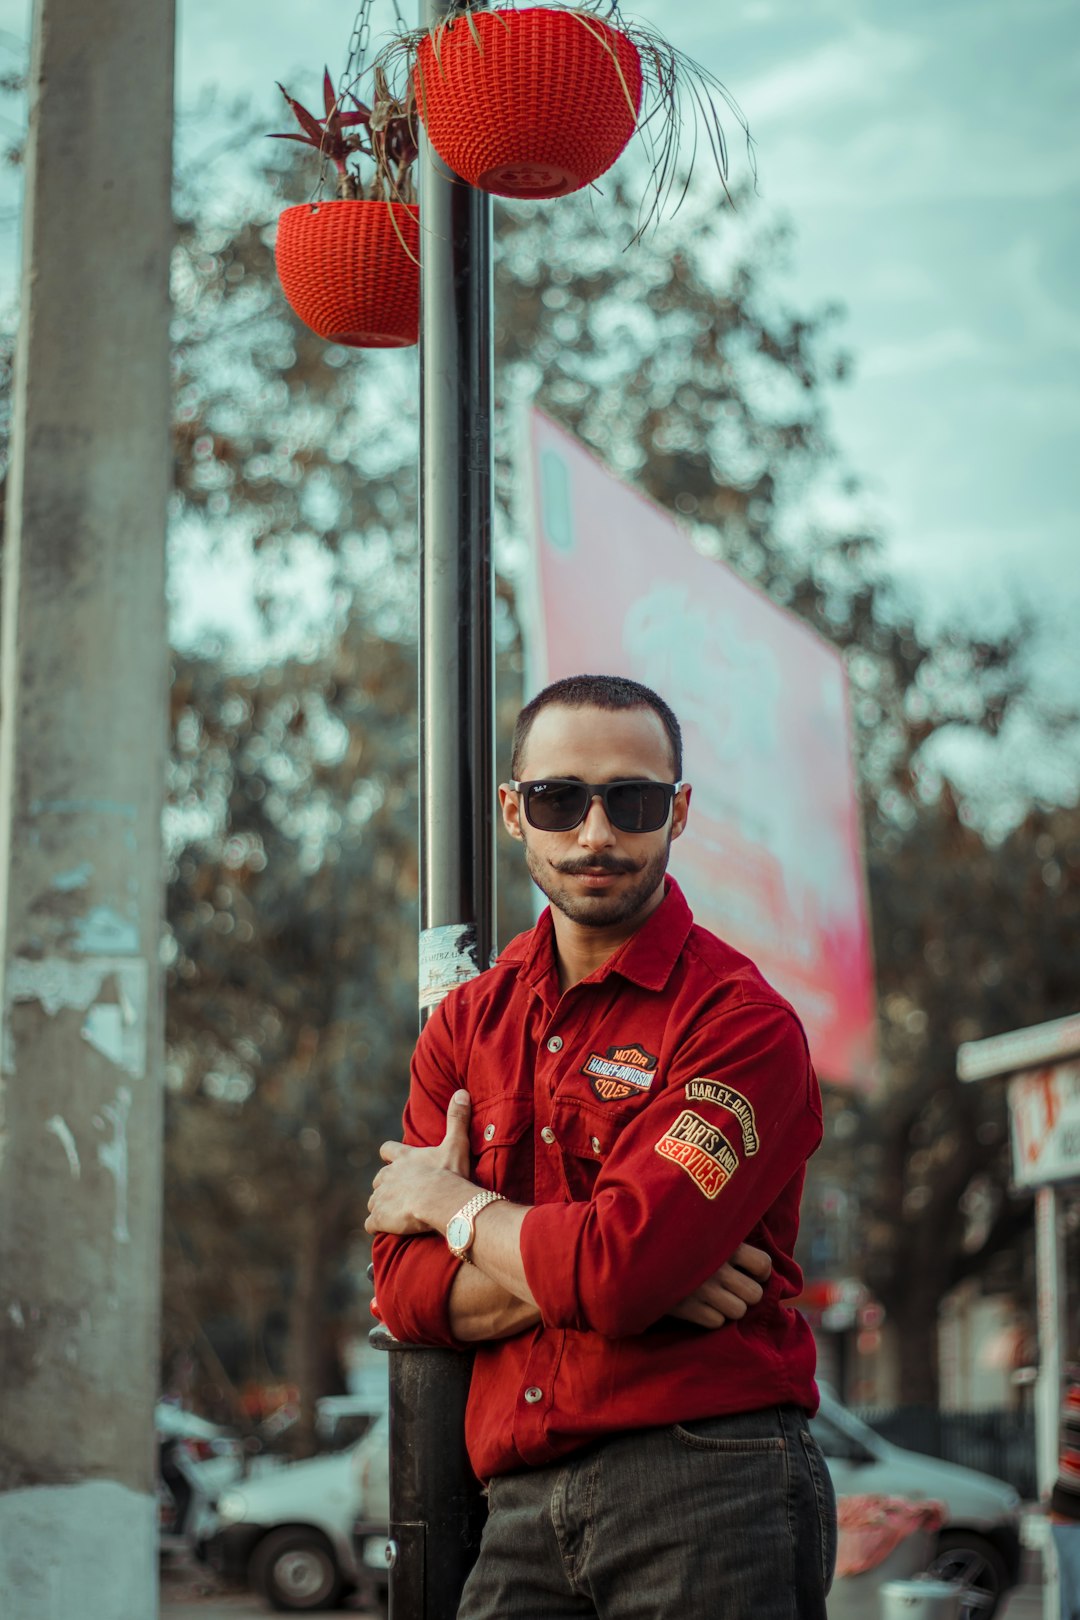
[[459, 1232]]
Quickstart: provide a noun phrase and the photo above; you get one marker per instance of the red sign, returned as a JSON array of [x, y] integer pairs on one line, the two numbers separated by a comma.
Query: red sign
[[771, 859]]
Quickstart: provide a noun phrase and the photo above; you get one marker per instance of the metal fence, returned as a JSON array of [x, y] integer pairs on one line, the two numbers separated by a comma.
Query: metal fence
[[995, 1442]]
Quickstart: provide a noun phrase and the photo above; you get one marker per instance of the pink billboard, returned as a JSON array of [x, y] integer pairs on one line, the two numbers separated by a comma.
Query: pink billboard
[[771, 859]]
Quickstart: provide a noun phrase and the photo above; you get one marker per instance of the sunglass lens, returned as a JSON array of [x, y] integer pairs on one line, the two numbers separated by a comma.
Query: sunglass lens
[[638, 806], [555, 806]]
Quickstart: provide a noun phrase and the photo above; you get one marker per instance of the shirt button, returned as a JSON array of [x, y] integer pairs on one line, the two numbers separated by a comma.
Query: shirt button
[[555, 1044], [547, 1134], [532, 1394], [489, 1132], [594, 1143]]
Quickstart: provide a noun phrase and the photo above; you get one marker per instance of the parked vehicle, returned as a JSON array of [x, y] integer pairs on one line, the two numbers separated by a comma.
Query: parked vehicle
[[978, 1547], [289, 1534], [197, 1460], [370, 1532], [314, 1531], [340, 1420]]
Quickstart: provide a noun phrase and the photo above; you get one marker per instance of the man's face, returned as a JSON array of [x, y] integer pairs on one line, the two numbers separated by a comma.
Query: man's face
[[594, 874]]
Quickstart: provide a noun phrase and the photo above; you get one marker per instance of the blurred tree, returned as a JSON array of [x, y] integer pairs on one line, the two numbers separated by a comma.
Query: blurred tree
[[291, 989], [971, 939], [285, 446], [291, 817]]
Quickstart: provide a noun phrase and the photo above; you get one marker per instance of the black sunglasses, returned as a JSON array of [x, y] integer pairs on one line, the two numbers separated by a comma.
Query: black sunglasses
[[560, 804]]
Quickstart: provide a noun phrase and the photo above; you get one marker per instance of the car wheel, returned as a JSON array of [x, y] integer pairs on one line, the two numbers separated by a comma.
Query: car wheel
[[975, 1564], [295, 1570]]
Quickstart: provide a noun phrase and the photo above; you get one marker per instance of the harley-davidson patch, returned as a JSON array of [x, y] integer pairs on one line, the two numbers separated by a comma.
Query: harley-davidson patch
[[702, 1150], [621, 1072], [725, 1097]]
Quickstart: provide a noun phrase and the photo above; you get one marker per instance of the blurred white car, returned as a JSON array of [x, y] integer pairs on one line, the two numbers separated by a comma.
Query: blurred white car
[[289, 1534], [978, 1547], [312, 1531]]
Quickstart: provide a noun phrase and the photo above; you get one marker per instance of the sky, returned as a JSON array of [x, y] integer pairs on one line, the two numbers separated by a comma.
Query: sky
[[927, 158]]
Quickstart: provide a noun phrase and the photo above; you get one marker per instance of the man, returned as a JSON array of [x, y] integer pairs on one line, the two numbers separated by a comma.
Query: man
[[606, 1139]]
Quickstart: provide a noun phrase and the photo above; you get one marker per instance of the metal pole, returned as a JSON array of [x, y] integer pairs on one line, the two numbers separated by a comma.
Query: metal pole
[[436, 1508], [82, 767], [1050, 1300]]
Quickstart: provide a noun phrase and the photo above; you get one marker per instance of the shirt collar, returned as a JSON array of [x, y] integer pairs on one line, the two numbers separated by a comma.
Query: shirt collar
[[646, 959]]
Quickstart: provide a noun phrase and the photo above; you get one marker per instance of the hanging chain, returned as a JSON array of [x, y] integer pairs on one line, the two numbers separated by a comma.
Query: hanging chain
[[359, 40], [353, 71]]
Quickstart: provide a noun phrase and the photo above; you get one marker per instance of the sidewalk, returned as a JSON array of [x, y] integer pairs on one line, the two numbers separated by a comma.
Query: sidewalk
[[1023, 1603]]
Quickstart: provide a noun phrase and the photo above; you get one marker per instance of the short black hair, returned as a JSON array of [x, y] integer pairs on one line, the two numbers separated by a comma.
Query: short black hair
[[596, 692]]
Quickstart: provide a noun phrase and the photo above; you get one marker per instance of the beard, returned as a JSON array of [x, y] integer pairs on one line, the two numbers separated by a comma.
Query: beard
[[598, 910]]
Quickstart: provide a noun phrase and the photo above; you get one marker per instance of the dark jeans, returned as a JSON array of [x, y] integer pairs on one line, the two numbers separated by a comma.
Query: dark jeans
[[728, 1518]]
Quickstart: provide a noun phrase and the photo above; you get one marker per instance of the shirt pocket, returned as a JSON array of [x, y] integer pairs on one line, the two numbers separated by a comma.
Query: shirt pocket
[[501, 1144], [586, 1133]]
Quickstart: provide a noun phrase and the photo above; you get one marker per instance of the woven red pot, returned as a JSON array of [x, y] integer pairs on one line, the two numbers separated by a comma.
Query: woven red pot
[[538, 109], [347, 275]]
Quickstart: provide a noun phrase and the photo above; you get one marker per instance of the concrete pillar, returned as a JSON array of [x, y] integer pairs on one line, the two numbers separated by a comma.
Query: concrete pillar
[[82, 753]]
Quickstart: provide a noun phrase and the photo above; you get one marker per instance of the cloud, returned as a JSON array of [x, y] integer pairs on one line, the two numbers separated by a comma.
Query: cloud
[[914, 157], [906, 282], [852, 108], [853, 69], [1050, 323], [934, 352]]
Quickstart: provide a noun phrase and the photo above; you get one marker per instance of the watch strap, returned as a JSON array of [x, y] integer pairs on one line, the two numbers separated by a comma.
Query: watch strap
[[468, 1212]]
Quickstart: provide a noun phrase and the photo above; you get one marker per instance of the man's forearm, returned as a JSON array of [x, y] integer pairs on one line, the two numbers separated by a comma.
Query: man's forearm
[[496, 1249], [481, 1309], [490, 1297]]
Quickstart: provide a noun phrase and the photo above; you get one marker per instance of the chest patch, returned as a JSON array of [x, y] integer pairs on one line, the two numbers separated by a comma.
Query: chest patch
[[622, 1071], [735, 1103], [701, 1149]]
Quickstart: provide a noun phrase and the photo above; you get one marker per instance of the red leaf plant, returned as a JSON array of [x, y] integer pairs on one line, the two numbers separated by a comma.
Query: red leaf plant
[[385, 133]]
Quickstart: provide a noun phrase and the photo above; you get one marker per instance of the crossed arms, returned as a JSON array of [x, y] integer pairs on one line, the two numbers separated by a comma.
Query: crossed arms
[[419, 1189], [661, 1234]]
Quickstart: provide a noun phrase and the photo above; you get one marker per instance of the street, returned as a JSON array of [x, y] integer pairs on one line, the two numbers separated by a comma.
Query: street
[[1024, 1604], [190, 1593]]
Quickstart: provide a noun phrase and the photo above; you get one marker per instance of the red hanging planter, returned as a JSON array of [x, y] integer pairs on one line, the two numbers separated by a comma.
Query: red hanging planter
[[350, 270], [530, 103]]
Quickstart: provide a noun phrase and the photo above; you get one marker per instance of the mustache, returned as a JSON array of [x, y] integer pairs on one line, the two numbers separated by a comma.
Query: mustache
[[597, 863]]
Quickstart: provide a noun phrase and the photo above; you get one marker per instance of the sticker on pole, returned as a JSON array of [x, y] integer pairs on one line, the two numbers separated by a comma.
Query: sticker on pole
[[1044, 1108], [447, 958]]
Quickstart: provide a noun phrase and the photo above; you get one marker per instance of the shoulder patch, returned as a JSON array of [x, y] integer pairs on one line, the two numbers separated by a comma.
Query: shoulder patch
[[701, 1149], [713, 1091]]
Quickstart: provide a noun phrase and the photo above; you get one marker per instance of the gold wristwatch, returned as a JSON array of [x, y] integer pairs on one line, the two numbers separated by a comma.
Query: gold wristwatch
[[460, 1229]]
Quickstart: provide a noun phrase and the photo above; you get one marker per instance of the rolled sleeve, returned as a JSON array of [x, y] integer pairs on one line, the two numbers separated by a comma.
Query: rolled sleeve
[[688, 1180], [414, 1275], [413, 1278]]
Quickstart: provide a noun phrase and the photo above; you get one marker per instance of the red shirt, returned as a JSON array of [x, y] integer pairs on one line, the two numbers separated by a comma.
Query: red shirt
[[657, 1114]]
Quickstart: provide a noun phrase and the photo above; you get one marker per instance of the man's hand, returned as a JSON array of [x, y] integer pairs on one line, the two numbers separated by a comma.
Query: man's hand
[[728, 1294], [411, 1192]]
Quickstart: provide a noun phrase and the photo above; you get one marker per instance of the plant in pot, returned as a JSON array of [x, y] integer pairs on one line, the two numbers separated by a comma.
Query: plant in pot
[[349, 266], [539, 101]]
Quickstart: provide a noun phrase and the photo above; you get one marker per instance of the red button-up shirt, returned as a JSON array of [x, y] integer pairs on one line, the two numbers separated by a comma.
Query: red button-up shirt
[[655, 1116]]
